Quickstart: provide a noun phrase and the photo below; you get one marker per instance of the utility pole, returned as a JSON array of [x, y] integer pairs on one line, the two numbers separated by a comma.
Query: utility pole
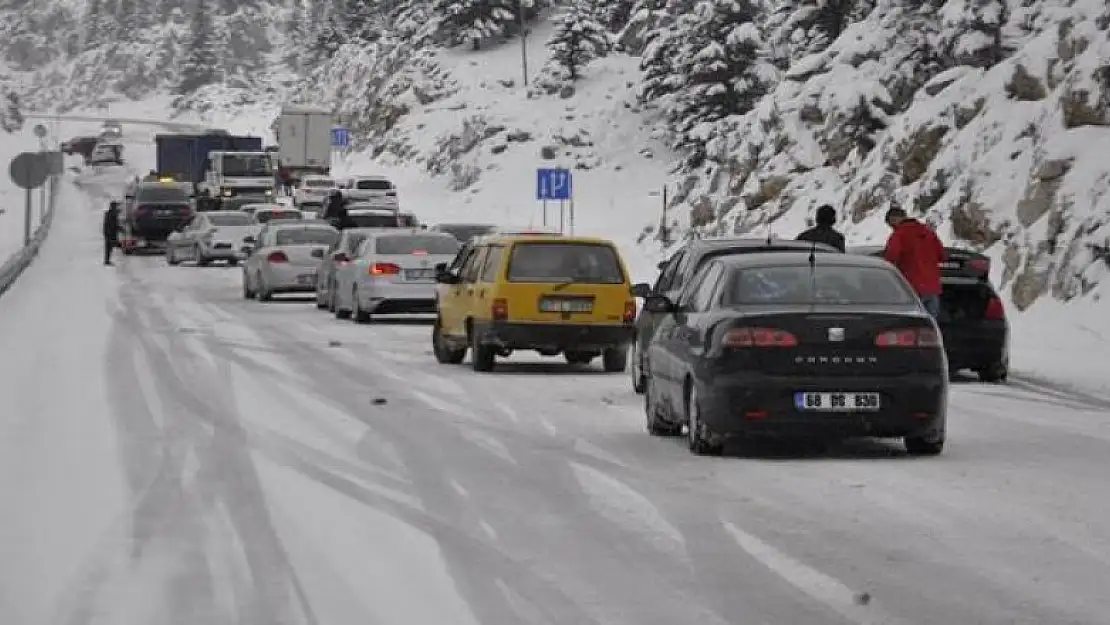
[[664, 231], [523, 41]]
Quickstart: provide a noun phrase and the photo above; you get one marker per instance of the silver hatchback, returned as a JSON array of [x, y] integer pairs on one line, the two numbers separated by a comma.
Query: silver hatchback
[[285, 258]]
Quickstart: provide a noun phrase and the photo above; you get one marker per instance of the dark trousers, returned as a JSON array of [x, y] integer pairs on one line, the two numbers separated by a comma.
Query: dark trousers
[[109, 245]]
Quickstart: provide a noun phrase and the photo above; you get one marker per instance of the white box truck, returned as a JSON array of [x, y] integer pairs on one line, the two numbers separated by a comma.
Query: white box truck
[[304, 141]]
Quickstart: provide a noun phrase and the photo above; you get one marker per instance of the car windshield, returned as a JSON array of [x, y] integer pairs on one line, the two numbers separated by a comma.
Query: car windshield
[[266, 216], [319, 184], [416, 244], [305, 236], [229, 219], [465, 232], [382, 220], [248, 165], [374, 185], [588, 263], [824, 284], [164, 195]]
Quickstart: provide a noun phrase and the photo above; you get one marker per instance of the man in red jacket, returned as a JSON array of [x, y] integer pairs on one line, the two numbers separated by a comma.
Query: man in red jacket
[[917, 252]]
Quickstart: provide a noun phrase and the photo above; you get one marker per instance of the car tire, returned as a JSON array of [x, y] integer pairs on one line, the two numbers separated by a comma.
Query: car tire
[[655, 425], [636, 367], [444, 353], [331, 298], [232, 262], [579, 358], [321, 303], [201, 260], [615, 359], [699, 438], [247, 292], [921, 446], [339, 312], [994, 374], [263, 294], [171, 258], [357, 313], [482, 357]]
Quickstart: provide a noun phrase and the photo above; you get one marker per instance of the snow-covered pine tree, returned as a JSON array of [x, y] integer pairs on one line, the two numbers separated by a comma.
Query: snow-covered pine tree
[[201, 58], [332, 34], [616, 14], [659, 20], [972, 32], [795, 29], [130, 20], [472, 21], [92, 23], [360, 15], [721, 69], [11, 117], [578, 39]]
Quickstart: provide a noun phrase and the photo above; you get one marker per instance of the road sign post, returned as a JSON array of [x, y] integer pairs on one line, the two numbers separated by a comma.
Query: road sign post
[[555, 184], [29, 170]]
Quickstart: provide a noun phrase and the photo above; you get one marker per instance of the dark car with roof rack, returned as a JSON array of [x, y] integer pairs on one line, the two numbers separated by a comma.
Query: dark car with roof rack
[[972, 315], [677, 270]]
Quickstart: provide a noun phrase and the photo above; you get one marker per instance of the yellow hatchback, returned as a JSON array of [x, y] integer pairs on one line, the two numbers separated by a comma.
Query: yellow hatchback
[[544, 292]]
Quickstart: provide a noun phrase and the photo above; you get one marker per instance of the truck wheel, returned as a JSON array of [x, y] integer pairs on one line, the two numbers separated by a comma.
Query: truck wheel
[[615, 359]]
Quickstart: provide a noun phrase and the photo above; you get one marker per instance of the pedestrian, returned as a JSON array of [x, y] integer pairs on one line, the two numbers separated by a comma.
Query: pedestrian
[[110, 229], [286, 181], [335, 209], [917, 252], [823, 231]]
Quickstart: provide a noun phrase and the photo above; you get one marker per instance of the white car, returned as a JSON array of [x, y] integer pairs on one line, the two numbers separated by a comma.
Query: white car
[[250, 209], [107, 154], [285, 258], [393, 271], [362, 216], [376, 190], [313, 192], [262, 216], [213, 235]]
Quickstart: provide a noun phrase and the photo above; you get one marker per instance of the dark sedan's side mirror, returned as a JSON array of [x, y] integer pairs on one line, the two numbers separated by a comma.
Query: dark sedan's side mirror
[[659, 304], [642, 289]]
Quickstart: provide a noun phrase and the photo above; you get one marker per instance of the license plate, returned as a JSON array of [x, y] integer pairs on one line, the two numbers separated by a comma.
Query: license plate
[[308, 278], [566, 305], [837, 402], [165, 212], [420, 274]]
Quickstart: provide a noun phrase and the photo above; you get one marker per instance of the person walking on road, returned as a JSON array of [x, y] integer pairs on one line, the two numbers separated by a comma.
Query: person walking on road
[[824, 232], [335, 210], [110, 229], [917, 252]]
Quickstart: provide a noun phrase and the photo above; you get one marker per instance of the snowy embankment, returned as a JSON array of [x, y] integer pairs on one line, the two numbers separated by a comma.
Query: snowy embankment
[[12, 197]]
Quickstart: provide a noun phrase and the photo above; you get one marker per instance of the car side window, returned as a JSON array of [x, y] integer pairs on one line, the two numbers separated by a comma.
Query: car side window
[[683, 272], [688, 298], [701, 298], [354, 242], [460, 258], [470, 270], [666, 278], [492, 264]]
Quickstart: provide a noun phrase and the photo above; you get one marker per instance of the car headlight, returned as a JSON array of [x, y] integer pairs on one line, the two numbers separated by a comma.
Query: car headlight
[[269, 191], [227, 193]]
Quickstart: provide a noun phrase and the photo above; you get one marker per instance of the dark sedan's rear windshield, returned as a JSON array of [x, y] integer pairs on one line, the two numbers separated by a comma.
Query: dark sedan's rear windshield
[[234, 219], [374, 185], [162, 195], [416, 244], [588, 263], [306, 236], [266, 216], [382, 220], [828, 284]]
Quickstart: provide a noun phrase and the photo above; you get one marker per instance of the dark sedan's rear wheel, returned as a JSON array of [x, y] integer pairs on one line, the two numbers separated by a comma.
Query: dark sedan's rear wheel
[[656, 426], [579, 358], [615, 359], [923, 446], [994, 374], [699, 437], [639, 382]]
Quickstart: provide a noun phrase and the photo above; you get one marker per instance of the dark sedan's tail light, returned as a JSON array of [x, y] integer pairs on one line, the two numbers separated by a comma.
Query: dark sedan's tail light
[[909, 337], [759, 337], [995, 310]]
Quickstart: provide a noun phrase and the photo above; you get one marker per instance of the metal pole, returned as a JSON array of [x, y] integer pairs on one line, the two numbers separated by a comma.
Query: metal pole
[[27, 219], [572, 215], [562, 216], [523, 42], [545, 213], [663, 234], [42, 204]]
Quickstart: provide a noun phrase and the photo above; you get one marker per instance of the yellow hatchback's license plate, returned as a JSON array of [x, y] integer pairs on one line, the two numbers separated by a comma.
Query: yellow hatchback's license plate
[[566, 305]]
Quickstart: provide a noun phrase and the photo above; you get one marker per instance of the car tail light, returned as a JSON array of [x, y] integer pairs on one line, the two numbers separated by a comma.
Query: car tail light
[[340, 257], [277, 257], [420, 252], [995, 310], [384, 269], [629, 315], [759, 337], [982, 265], [499, 310], [909, 337]]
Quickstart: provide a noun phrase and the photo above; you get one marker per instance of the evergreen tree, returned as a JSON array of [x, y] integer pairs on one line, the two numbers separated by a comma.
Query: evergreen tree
[[659, 20], [720, 67], [130, 20], [11, 117], [615, 14], [332, 34], [201, 60], [93, 13], [797, 28], [578, 39], [473, 21], [972, 32]]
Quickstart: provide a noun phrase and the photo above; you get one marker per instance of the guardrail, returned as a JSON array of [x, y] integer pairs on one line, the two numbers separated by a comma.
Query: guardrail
[[15, 264]]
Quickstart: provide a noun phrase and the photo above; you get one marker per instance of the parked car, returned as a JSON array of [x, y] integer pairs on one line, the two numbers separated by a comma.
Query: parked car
[[364, 216], [392, 272], [107, 154], [676, 272], [276, 212], [972, 315], [378, 191], [313, 192], [284, 258], [811, 346], [339, 254], [215, 235]]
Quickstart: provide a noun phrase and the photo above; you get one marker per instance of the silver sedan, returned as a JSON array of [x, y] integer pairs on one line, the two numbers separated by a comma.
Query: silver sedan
[[285, 258], [392, 272]]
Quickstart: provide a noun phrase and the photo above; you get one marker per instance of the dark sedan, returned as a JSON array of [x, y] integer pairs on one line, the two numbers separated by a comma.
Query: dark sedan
[[675, 273], [796, 345], [972, 316]]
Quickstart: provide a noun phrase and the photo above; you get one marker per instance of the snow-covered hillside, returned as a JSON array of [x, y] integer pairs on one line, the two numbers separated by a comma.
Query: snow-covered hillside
[[982, 116]]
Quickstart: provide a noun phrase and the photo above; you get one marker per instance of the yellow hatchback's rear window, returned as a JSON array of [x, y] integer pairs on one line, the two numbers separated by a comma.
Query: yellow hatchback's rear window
[[585, 263]]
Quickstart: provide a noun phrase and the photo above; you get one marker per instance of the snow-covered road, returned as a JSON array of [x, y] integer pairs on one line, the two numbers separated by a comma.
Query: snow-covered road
[[173, 454]]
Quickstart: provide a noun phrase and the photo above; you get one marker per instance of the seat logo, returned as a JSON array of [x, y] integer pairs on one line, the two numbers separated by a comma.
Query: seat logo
[[836, 335]]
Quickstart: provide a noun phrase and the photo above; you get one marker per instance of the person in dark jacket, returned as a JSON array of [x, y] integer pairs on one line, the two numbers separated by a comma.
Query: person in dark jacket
[[110, 229], [824, 232], [917, 252], [335, 211]]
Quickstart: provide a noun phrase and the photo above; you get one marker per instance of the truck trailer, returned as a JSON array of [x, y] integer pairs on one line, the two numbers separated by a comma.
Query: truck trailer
[[217, 165], [304, 141]]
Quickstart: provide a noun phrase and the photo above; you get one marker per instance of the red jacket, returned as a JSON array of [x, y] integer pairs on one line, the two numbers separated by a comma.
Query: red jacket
[[917, 252]]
